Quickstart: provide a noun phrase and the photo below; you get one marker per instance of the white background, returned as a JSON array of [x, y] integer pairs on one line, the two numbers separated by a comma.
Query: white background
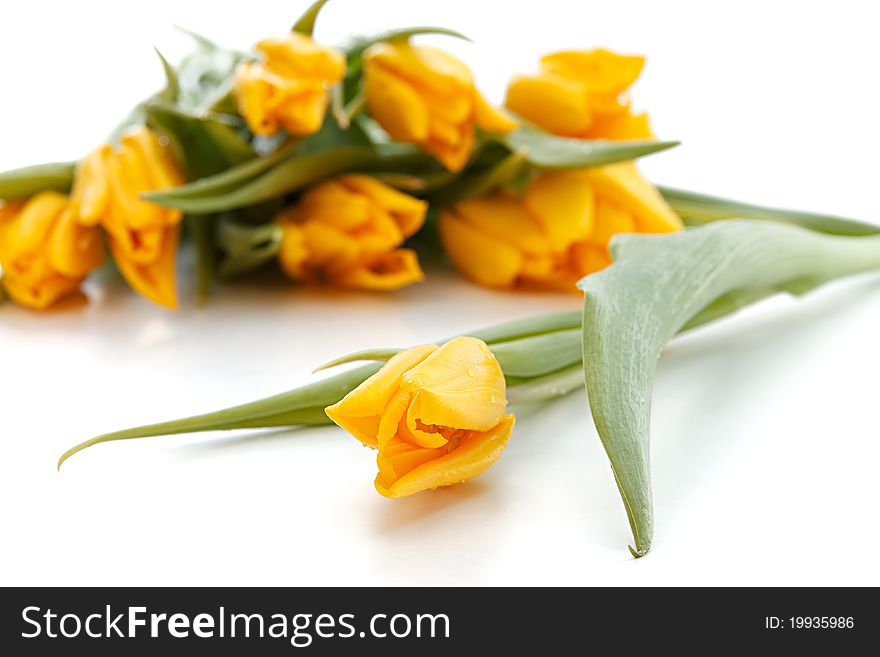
[[765, 436]]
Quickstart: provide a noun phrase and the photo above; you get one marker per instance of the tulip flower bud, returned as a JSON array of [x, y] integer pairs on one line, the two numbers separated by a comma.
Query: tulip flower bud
[[44, 252], [346, 232], [425, 96], [143, 236], [555, 232], [436, 415], [288, 87], [582, 94]]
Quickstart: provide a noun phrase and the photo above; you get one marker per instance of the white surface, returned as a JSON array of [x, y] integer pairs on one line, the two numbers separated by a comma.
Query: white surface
[[765, 439]]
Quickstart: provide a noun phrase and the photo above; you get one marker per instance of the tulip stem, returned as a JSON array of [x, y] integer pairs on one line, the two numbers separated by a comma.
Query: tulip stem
[[551, 386], [203, 231], [355, 106]]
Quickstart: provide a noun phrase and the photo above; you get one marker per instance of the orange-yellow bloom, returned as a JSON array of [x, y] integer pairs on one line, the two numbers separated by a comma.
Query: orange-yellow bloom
[[425, 96], [582, 94], [45, 254], [556, 231], [346, 231], [436, 415], [288, 87], [143, 236]]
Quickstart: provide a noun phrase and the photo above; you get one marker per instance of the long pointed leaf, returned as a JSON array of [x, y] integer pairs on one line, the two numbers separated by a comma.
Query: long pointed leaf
[[547, 151], [698, 209], [660, 284], [303, 406], [22, 183]]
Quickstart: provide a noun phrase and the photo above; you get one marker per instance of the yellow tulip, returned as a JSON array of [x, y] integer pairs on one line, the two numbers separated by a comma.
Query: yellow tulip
[[582, 94], [436, 415], [143, 236], [346, 231], [45, 254], [556, 231], [288, 87], [425, 96]]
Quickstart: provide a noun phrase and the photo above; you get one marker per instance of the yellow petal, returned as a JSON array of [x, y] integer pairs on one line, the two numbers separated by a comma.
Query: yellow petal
[[128, 179], [589, 258], [553, 102], [90, 186], [327, 245], [293, 253], [74, 250], [490, 118], [27, 232], [611, 219], [391, 416], [504, 217], [624, 185], [360, 410], [454, 156], [304, 115], [154, 281], [417, 431], [398, 458], [396, 105], [298, 55], [407, 211], [162, 170], [252, 94], [41, 295], [389, 271], [562, 203], [623, 127], [333, 203], [601, 70], [425, 67], [481, 257], [475, 454], [459, 385]]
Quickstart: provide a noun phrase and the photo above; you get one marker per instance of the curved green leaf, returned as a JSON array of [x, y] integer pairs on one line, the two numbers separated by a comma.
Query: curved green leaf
[[698, 209], [229, 180], [303, 406], [660, 284], [547, 151], [289, 175], [172, 86], [305, 24], [539, 355], [25, 182]]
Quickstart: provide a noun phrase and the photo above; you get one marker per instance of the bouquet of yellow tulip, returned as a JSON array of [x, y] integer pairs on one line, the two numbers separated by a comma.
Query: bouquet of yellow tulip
[[328, 160]]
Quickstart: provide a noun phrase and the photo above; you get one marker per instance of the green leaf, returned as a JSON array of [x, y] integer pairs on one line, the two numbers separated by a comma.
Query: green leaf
[[539, 355], [547, 151], [301, 407], [305, 24], [171, 92], [203, 143], [526, 349], [288, 175], [698, 209], [660, 284], [231, 179], [25, 182]]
